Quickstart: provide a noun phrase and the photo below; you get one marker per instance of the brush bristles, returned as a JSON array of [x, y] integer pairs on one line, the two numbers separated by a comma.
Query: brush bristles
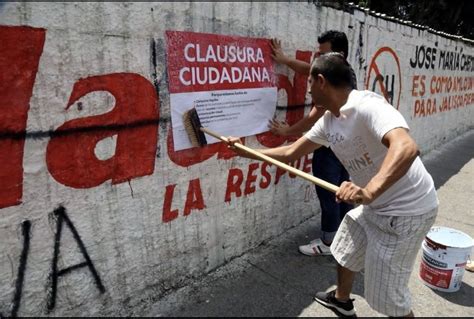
[[192, 125]]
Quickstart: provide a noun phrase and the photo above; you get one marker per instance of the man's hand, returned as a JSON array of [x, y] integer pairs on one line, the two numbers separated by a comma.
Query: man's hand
[[230, 144], [277, 52], [278, 128], [231, 141], [296, 65], [353, 194]]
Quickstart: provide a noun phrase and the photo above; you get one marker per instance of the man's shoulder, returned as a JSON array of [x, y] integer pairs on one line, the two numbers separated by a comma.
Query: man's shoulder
[[366, 96], [369, 104], [364, 100]]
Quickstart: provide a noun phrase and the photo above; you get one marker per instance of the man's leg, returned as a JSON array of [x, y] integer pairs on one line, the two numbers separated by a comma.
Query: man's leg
[[327, 167], [348, 248], [345, 278], [393, 244]]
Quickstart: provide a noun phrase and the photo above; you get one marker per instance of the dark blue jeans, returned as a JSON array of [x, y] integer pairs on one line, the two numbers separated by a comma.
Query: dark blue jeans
[[327, 167]]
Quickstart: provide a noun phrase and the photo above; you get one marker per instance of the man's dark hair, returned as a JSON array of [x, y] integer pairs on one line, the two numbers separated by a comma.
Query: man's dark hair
[[337, 39], [335, 69]]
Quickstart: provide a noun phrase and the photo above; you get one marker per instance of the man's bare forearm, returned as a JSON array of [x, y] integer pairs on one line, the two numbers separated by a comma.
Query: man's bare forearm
[[306, 123], [285, 153], [278, 153], [298, 65]]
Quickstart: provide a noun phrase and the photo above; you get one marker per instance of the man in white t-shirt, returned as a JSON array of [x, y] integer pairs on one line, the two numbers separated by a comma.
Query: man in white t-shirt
[[398, 197]]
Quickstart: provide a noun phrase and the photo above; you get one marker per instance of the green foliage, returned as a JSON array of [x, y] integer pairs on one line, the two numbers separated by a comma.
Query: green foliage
[[453, 16]]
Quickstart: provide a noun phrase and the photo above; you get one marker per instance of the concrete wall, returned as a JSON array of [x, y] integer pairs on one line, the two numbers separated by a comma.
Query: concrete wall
[[99, 215]]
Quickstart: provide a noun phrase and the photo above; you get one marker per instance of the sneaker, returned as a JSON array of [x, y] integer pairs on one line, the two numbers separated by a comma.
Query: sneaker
[[315, 248], [329, 300]]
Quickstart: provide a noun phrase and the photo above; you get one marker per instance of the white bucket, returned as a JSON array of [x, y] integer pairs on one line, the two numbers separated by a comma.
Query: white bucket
[[445, 254]]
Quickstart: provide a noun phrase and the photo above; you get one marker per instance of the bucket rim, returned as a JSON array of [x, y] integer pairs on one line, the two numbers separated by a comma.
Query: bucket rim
[[466, 243]]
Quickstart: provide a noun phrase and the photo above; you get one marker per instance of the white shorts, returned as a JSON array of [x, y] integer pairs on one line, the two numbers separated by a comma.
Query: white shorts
[[386, 246]]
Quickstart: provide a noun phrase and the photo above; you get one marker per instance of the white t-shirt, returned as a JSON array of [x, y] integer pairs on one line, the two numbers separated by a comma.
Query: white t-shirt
[[356, 139]]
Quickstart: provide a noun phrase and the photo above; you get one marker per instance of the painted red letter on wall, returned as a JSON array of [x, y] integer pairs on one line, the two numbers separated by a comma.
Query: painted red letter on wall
[[168, 213], [70, 154], [194, 199], [20, 51], [233, 185]]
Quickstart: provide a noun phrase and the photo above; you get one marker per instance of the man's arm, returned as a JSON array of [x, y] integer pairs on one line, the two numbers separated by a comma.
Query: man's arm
[[279, 57], [285, 154], [402, 151], [299, 127]]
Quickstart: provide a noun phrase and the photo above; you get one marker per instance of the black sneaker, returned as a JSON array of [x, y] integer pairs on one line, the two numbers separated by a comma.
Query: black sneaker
[[329, 300]]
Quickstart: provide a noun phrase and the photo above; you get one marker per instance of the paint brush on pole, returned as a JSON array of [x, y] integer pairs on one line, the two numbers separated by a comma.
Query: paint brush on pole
[[195, 132]]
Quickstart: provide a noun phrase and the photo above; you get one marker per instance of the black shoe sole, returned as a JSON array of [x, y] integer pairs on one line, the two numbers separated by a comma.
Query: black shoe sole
[[340, 311]]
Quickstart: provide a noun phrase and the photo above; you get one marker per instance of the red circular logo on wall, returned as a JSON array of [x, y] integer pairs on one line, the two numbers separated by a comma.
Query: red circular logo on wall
[[384, 75]]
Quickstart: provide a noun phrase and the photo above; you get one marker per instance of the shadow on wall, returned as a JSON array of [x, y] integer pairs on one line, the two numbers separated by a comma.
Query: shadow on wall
[[448, 163]]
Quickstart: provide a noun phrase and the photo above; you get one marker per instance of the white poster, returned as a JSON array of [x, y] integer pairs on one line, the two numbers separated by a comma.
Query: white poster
[[228, 80], [237, 113]]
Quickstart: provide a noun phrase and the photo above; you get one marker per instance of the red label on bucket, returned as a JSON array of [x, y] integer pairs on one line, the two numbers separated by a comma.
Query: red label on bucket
[[435, 277]]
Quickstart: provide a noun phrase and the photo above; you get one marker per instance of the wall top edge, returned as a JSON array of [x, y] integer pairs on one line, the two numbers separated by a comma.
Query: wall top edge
[[350, 7]]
